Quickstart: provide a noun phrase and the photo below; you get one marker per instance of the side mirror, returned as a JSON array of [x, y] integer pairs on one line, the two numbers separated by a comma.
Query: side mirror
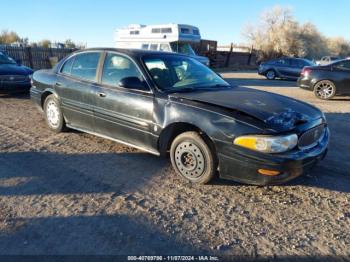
[[18, 61], [132, 82]]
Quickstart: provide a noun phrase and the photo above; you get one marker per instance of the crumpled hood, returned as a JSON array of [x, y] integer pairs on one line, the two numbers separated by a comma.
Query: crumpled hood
[[279, 112], [14, 69]]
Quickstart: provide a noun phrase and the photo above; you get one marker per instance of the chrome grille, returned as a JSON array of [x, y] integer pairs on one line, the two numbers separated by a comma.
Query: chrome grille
[[311, 137], [13, 78]]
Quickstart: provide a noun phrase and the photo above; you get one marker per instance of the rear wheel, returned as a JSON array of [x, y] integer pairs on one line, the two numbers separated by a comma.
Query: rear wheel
[[324, 89], [271, 75], [192, 158], [53, 114]]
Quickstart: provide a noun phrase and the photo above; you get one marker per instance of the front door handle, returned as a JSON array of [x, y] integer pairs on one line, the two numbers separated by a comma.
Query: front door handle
[[101, 94], [58, 84]]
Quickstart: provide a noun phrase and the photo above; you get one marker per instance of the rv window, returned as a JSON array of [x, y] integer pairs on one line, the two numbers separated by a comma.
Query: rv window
[[134, 32], [185, 30], [154, 47], [164, 47], [144, 46], [166, 30], [156, 30], [195, 31]]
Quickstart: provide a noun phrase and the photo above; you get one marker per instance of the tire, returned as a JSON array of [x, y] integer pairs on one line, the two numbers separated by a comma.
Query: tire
[[53, 114], [270, 74], [324, 89], [192, 158]]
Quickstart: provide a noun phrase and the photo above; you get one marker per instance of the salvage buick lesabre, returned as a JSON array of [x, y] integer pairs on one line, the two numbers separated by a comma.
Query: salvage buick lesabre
[[163, 102]]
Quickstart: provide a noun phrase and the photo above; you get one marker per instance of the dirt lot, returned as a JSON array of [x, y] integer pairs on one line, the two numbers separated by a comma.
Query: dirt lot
[[73, 193]]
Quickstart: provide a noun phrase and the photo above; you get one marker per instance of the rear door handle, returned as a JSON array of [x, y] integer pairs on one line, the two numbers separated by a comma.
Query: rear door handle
[[101, 94]]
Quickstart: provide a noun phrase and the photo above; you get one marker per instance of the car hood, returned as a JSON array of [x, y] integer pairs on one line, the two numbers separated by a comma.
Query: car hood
[[14, 69], [280, 113]]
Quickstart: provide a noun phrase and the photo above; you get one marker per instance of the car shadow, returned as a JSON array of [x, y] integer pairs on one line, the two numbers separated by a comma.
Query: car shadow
[[117, 234], [26, 173]]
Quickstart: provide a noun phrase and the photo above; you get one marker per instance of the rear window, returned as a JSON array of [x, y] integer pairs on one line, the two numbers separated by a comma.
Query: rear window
[[85, 66]]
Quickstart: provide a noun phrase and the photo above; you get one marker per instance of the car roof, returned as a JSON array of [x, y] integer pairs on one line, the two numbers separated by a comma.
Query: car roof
[[130, 52]]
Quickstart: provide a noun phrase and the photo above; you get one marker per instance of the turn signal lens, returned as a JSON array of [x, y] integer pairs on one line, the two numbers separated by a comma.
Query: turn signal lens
[[268, 172], [268, 144]]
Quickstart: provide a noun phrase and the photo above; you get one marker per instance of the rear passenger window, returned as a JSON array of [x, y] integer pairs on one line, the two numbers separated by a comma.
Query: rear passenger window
[[281, 62], [85, 66], [67, 67], [117, 67]]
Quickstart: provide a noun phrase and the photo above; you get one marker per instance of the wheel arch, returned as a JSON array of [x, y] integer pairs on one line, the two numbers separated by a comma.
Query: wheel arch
[[170, 132], [45, 94], [316, 81]]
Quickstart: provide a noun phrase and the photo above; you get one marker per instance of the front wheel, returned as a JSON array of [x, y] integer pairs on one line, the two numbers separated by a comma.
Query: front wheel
[[324, 89], [192, 158], [53, 114]]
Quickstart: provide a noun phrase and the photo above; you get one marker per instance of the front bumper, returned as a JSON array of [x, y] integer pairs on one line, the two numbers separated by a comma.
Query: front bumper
[[241, 165], [7, 87]]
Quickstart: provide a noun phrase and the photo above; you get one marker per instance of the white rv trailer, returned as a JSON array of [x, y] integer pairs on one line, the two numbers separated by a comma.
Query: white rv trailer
[[167, 37]]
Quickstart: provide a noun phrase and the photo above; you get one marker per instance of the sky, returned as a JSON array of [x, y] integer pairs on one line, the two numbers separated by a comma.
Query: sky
[[92, 22]]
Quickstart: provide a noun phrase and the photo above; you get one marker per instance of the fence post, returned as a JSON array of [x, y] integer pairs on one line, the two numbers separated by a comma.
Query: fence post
[[227, 62], [250, 55], [29, 54]]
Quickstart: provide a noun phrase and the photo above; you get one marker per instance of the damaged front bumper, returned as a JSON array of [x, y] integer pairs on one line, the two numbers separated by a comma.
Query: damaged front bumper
[[242, 165]]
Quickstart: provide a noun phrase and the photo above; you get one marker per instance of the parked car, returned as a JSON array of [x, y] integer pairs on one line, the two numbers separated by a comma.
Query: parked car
[[288, 68], [13, 76], [327, 60], [164, 102], [327, 81]]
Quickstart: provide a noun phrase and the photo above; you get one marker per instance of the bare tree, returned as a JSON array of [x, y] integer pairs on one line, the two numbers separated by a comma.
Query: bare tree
[[45, 43], [278, 34], [8, 37]]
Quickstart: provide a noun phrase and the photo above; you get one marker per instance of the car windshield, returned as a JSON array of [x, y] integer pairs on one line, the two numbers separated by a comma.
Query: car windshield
[[182, 48], [180, 73], [4, 59]]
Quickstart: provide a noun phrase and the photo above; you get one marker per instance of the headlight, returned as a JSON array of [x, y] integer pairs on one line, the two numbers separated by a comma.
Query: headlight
[[267, 144]]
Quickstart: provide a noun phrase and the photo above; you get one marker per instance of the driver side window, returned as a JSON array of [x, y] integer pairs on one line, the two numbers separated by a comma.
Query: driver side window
[[117, 67]]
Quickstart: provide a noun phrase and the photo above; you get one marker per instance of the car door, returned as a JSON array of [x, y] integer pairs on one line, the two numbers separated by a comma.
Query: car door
[[296, 65], [76, 85], [282, 67], [120, 112], [341, 71]]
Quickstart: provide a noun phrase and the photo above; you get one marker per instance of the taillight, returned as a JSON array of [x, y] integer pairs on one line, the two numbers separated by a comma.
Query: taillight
[[306, 72]]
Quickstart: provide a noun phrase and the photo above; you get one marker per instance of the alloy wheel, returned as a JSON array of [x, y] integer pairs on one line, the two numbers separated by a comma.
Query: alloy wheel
[[325, 89]]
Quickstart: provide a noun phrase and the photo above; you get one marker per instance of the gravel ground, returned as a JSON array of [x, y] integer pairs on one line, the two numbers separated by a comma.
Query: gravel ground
[[74, 193]]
